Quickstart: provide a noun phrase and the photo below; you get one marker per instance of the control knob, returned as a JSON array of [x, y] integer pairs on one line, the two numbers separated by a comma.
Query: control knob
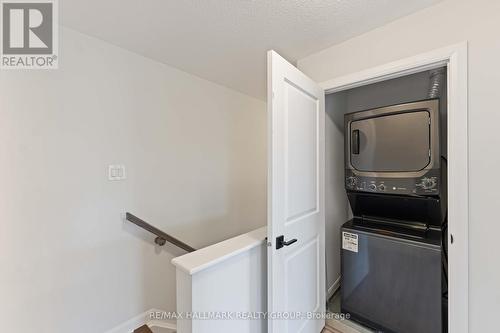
[[372, 187], [381, 187], [428, 183], [351, 181]]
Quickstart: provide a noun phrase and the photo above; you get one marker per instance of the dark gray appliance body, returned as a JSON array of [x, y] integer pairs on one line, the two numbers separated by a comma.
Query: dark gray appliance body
[[393, 282], [394, 149]]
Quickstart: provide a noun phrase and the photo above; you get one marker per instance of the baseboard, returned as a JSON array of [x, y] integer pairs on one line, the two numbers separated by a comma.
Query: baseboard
[[142, 319], [333, 288], [131, 324], [162, 324]]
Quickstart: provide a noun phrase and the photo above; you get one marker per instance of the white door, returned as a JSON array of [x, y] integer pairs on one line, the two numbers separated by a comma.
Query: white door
[[296, 209]]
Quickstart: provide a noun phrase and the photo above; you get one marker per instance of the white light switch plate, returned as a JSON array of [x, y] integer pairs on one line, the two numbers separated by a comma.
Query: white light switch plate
[[116, 172]]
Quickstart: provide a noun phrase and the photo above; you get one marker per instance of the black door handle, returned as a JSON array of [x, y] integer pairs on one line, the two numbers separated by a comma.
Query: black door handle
[[355, 142], [280, 242]]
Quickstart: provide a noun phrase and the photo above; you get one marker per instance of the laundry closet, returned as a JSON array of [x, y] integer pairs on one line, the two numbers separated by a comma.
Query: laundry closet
[[357, 201], [385, 172]]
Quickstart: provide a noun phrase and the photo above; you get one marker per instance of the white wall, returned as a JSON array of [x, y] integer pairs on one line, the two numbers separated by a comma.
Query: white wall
[[196, 160], [447, 23]]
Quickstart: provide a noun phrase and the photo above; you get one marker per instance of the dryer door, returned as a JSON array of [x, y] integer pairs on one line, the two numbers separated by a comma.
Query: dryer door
[[398, 142]]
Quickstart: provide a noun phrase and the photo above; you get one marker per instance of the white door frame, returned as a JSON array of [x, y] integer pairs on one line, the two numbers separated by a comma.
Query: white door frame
[[455, 58]]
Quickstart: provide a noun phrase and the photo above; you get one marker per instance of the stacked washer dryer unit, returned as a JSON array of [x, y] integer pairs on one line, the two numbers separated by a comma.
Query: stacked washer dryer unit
[[392, 255]]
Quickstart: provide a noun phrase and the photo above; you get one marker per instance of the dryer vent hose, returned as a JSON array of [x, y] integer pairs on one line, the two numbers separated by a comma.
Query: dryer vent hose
[[436, 82]]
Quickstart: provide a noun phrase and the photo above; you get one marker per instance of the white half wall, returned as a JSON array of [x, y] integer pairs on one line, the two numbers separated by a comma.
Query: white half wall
[[227, 280], [195, 154], [444, 24]]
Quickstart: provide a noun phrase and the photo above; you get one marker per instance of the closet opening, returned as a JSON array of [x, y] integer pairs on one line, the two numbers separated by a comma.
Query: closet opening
[[386, 204]]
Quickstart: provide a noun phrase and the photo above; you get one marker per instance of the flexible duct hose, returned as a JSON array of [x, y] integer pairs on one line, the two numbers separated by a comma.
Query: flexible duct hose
[[436, 82]]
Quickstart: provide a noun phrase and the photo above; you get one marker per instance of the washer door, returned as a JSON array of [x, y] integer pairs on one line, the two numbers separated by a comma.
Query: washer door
[[392, 284]]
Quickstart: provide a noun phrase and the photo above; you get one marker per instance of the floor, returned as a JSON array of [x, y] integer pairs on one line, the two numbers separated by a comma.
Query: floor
[[338, 325], [333, 325], [330, 330]]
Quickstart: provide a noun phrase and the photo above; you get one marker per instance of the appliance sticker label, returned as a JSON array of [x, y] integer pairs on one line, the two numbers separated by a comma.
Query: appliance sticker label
[[349, 241]]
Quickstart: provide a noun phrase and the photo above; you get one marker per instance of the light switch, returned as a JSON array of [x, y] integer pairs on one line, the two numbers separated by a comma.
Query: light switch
[[116, 172]]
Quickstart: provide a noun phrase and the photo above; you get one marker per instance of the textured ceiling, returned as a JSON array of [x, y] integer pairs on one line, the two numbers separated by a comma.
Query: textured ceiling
[[225, 41]]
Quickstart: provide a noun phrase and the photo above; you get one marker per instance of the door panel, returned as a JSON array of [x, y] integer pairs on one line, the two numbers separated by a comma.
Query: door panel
[[301, 168], [296, 273], [302, 297]]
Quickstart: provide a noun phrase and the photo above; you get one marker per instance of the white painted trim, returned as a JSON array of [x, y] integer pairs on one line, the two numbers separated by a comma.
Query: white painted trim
[[332, 289], [142, 319], [162, 324], [455, 58], [209, 256], [131, 324], [415, 64]]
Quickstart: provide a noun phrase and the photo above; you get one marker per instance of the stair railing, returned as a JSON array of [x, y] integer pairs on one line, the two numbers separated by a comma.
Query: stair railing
[[161, 236]]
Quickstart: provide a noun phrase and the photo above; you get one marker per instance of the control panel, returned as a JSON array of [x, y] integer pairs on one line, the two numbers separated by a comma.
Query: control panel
[[426, 185]]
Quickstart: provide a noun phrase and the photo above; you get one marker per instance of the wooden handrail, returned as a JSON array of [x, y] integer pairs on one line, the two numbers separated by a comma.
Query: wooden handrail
[[161, 236]]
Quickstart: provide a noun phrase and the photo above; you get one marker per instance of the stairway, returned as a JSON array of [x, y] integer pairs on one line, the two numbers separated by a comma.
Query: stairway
[[143, 329], [154, 329]]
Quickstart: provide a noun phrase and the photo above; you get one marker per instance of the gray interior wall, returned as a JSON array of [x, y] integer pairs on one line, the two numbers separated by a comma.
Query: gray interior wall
[[335, 196], [400, 90]]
